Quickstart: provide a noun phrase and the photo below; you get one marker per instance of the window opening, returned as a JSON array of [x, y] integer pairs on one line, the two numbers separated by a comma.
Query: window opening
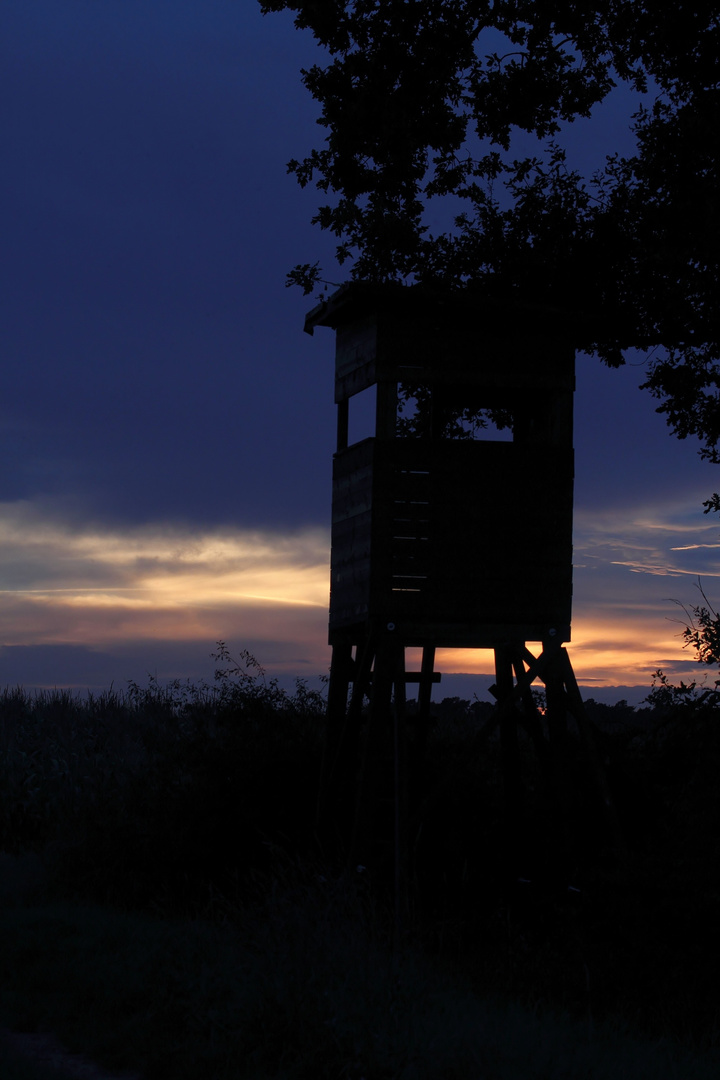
[[421, 414], [361, 414]]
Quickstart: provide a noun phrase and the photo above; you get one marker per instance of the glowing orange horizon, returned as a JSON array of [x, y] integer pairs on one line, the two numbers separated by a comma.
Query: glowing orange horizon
[[601, 655], [67, 584]]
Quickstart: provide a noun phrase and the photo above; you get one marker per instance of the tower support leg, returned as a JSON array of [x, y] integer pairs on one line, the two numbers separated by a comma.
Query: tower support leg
[[510, 755], [563, 698], [381, 794], [371, 775], [336, 804]]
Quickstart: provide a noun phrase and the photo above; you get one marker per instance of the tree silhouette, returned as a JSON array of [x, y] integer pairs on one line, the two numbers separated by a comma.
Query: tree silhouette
[[423, 102]]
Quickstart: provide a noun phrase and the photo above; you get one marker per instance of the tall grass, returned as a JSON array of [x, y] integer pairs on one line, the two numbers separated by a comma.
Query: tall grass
[[302, 987], [156, 794], [170, 908]]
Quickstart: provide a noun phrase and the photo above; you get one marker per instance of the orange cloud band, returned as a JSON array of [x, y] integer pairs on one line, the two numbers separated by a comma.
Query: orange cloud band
[[64, 584]]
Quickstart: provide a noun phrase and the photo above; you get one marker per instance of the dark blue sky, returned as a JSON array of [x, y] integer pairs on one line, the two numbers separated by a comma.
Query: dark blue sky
[[154, 365], [157, 388]]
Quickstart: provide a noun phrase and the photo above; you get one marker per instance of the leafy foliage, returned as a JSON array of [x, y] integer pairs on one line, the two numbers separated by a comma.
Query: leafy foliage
[[430, 108], [670, 698], [703, 632]]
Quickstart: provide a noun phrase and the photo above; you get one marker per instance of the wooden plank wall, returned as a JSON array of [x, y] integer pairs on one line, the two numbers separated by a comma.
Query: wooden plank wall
[[452, 532]]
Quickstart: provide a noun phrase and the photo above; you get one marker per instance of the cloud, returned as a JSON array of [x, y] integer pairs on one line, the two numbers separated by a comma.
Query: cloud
[[626, 621], [82, 667], [61, 584], [647, 536], [129, 592], [645, 543], [694, 547]]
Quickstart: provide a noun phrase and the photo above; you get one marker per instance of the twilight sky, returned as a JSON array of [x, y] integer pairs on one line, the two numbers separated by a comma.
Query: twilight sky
[[167, 429]]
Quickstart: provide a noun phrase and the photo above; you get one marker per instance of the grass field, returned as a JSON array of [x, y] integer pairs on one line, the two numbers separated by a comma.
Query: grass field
[[301, 989], [163, 906]]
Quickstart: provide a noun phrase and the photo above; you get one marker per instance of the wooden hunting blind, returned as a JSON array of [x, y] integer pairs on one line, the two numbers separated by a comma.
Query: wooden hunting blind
[[447, 532], [453, 540]]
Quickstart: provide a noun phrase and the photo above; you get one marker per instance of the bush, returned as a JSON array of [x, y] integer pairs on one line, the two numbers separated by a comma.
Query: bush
[[161, 793]]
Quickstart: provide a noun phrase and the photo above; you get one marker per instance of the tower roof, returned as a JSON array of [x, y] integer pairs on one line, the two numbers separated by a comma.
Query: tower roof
[[506, 314]]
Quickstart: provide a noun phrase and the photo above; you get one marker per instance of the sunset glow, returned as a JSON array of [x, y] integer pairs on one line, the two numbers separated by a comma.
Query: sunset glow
[[73, 586], [66, 585], [167, 428]]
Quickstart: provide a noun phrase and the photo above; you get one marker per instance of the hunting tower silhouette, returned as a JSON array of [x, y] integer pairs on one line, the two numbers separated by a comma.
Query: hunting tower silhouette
[[445, 534]]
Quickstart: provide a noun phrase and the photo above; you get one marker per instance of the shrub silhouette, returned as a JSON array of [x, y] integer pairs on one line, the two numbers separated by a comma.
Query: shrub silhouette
[[163, 792]]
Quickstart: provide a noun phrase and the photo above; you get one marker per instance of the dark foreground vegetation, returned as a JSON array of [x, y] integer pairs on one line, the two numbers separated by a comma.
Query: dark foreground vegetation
[[165, 905]]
